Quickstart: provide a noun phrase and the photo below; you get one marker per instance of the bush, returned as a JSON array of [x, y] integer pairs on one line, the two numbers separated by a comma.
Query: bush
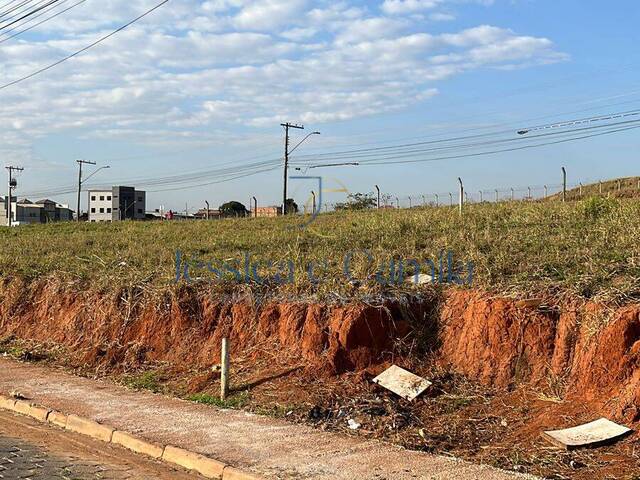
[[597, 207]]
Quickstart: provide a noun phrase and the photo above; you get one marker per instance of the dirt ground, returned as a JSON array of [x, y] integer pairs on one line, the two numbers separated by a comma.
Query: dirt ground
[[457, 417]]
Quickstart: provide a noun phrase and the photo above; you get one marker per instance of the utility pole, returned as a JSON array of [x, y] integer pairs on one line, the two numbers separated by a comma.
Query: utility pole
[[80, 163], [378, 202], [12, 185], [461, 196], [564, 184], [287, 126]]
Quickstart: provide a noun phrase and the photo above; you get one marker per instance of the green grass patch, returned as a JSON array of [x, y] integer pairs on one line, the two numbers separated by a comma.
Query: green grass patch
[[144, 381]]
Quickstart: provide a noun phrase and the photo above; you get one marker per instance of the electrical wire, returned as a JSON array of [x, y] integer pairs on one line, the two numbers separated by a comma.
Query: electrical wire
[[82, 50], [20, 32], [28, 13]]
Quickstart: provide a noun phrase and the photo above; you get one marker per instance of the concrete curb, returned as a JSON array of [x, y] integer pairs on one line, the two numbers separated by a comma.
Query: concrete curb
[[206, 466]]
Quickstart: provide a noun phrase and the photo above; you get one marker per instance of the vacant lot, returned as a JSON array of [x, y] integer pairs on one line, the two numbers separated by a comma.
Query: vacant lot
[[589, 248]]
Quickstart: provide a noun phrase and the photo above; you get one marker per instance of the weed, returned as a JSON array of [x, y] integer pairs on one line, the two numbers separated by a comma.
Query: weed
[[235, 401], [144, 381]]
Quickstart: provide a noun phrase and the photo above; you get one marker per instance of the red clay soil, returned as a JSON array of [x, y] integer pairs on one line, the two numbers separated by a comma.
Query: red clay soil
[[592, 351]]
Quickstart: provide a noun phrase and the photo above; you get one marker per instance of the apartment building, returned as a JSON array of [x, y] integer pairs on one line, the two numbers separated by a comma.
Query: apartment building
[[118, 203]]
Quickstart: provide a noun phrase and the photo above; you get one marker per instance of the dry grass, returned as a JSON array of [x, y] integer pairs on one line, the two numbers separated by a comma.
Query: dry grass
[[588, 248]]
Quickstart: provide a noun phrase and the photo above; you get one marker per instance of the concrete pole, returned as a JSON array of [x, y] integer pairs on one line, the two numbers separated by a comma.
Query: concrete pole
[[397, 203], [546, 191], [313, 205], [480, 195], [529, 193], [224, 371], [410, 201], [512, 194], [564, 184], [461, 196], [378, 203], [424, 201], [497, 198], [255, 207], [600, 187], [207, 204], [580, 189], [438, 201], [450, 199]]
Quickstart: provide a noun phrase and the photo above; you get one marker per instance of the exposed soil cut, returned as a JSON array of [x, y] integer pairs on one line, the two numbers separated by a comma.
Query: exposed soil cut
[[503, 369]]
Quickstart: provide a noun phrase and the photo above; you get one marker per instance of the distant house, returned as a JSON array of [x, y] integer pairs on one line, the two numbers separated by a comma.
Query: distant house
[[43, 211], [203, 214], [268, 211]]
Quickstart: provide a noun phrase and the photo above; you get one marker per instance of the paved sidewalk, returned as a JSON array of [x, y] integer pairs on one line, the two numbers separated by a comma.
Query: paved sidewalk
[[266, 446], [37, 451]]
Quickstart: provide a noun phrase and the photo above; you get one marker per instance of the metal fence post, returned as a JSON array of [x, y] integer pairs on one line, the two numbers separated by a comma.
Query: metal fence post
[[461, 198], [564, 184]]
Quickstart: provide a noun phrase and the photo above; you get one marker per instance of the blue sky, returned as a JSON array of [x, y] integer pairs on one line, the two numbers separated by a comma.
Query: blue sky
[[198, 86]]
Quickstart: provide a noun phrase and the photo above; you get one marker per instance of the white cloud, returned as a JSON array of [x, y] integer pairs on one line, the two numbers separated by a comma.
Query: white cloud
[[215, 65]]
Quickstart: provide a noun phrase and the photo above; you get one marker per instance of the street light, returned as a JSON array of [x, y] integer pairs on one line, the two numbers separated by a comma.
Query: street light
[[287, 152], [81, 181]]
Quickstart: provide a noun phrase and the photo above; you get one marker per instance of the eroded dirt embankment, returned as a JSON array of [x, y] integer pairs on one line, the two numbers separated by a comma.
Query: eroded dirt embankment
[[577, 350]]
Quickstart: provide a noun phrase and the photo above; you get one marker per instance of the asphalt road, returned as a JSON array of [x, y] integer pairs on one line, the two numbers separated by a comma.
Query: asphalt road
[[31, 450]]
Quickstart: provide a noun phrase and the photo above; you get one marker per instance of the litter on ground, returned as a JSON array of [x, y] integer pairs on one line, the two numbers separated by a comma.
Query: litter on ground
[[402, 382], [598, 432]]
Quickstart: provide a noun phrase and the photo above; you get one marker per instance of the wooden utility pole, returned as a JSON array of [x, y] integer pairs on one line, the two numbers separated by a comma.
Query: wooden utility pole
[[12, 185], [80, 163], [287, 126]]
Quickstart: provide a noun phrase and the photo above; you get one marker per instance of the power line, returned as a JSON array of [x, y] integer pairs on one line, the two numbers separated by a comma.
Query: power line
[[404, 150], [28, 14], [78, 52], [38, 23]]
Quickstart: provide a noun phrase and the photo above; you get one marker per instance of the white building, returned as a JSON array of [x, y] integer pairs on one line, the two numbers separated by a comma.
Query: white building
[[119, 203]]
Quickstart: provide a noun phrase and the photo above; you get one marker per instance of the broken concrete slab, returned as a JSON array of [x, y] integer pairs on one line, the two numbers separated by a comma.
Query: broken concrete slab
[[402, 382], [593, 434]]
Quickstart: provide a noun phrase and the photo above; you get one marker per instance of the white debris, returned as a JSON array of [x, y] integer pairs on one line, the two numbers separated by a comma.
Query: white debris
[[353, 425], [420, 279], [402, 382], [591, 434]]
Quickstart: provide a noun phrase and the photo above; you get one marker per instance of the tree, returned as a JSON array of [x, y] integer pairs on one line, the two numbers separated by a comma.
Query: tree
[[358, 201], [233, 209], [291, 206]]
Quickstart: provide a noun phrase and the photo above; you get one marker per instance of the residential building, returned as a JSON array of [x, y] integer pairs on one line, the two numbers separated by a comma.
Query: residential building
[[268, 211], [118, 203], [43, 211]]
